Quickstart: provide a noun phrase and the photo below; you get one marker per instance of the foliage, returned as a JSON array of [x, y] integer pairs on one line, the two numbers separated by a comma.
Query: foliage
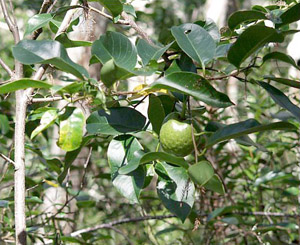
[[220, 192]]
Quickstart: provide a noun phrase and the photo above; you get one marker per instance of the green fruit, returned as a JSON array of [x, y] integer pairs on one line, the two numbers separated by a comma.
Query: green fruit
[[176, 136]]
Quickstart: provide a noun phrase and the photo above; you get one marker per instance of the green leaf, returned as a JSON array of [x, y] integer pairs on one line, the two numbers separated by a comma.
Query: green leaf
[[245, 127], [68, 43], [47, 120], [162, 156], [111, 73], [23, 83], [133, 164], [250, 40], [129, 9], [4, 124], [121, 151], [201, 172], [193, 84], [281, 99], [47, 52], [195, 41], [288, 82], [156, 113], [282, 57], [86, 204], [219, 211], [290, 15], [240, 17], [71, 129], [115, 7], [4, 203], [175, 191], [222, 50], [149, 52], [116, 46], [215, 184], [271, 176], [117, 120], [36, 22]]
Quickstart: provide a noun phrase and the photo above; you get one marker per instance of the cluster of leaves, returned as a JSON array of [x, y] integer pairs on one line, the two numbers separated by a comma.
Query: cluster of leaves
[[196, 56]]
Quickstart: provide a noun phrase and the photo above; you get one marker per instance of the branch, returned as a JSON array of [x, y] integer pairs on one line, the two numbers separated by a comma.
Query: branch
[[107, 16], [6, 68], [139, 30], [119, 222], [7, 159], [41, 100]]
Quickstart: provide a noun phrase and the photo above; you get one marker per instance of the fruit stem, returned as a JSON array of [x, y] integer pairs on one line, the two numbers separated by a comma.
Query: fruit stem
[[182, 115]]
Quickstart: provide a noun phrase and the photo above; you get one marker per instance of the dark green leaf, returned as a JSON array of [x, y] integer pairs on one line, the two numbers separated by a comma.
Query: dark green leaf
[[215, 184], [240, 17], [289, 82], [116, 46], [149, 52], [281, 99], [156, 113], [282, 57], [115, 7], [111, 73], [176, 192], [36, 22], [121, 151], [201, 172], [22, 84], [250, 40], [68, 43], [162, 156], [71, 130], [47, 52], [133, 164], [117, 120], [193, 84], [196, 42], [246, 127], [290, 15]]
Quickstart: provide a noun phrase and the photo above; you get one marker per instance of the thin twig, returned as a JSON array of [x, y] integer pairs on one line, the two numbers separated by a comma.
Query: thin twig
[[6, 68], [122, 22], [7, 159], [50, 99], [138, 29], [119, 222]]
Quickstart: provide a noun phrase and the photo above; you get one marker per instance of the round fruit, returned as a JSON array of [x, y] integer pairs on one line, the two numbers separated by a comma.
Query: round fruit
[[176, 136]]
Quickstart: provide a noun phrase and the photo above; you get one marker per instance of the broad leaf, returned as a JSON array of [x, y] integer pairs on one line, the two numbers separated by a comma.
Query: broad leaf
[[246, 127], [290, 15], [288, 82], [162, 156], [201, 172], [117, 120], [149, 52], [250, 40], [47, 52], [68, 43], [281, 99], [115, 7], [71, 129], [281, 57], [240, 17], [175, 190], [36, 22], [121, 152], [215, 184], [116, 46], [192, 84], [156, 113], [23, 83], [47, 120], [111, 73], [195, 41]]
